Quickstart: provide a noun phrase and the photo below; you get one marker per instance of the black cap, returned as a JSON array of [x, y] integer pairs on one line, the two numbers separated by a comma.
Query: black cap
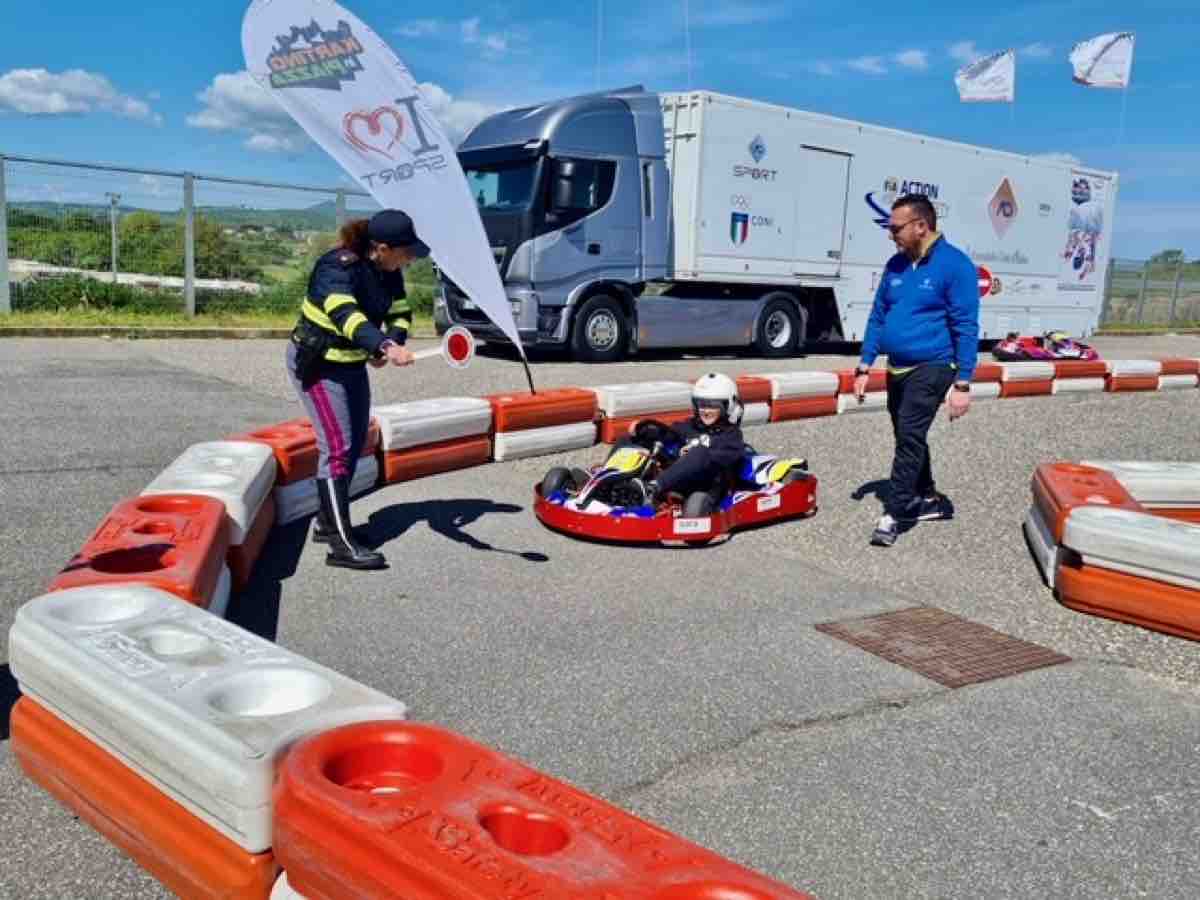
[[394, 228]]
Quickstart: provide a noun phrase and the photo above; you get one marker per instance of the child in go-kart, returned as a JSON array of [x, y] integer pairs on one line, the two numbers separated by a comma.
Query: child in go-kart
[[711, 449]]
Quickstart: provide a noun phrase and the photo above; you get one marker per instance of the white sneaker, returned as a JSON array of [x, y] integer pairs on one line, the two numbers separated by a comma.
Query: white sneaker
[[886, 531]]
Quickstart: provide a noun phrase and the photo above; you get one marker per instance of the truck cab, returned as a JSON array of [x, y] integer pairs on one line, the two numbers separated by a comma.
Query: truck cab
[[575, 201]]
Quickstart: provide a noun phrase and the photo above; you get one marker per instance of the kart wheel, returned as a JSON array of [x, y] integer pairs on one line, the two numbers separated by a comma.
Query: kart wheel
[[557, 479], [698, 505]]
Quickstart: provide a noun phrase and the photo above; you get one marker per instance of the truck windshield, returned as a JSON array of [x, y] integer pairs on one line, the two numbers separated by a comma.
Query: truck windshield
[[502, 187]]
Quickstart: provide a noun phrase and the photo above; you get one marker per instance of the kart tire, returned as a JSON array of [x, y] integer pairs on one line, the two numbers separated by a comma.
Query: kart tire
[[698, 505], [557, 479]]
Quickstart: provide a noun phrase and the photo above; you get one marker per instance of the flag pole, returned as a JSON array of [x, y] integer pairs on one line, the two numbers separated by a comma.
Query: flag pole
[[1121, 128], [687, 40]]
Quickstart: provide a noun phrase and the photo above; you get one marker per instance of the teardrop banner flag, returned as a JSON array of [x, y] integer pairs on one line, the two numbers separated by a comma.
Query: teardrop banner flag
[[347, 88]]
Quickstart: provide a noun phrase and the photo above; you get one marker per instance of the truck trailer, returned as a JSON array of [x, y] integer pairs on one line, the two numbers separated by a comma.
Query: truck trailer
[[628, 219]]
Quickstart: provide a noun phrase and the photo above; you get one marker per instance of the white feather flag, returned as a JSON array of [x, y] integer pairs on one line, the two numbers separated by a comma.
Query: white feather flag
[[1104, 61], [992, 79]]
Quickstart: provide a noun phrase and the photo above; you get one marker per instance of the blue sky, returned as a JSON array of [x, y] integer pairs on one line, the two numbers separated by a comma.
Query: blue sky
[[107, 82]]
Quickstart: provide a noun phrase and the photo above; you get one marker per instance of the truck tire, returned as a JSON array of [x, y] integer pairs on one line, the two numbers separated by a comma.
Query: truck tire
[[778, 329], [599, 332]]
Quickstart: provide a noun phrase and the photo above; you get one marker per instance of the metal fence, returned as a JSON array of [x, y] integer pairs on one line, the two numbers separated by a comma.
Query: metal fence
[[70, 230], [168, 238]]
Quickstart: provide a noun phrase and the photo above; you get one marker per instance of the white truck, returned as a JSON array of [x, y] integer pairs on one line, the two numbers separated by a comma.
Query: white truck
[[628, 219]]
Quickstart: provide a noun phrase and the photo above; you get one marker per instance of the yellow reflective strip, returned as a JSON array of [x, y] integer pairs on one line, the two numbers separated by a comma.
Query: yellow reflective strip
[[398, 307], [349, 356], [336, 301], [353, 323], [313, 313], [404, 320]]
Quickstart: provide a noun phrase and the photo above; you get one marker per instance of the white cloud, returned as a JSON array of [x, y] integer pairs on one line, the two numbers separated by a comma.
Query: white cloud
[[871, 65], [821, 68], [965, 51], [729, 14], [420, 28], [913, 59], [235, 102], [1037, 50], [457, 116], [493, 43], [39, 92]]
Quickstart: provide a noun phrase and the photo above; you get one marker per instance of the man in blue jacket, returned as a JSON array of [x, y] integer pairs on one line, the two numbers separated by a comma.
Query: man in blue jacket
[[926, 319]]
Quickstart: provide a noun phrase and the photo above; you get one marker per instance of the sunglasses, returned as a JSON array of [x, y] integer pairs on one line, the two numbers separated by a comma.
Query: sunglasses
[[896, 229]]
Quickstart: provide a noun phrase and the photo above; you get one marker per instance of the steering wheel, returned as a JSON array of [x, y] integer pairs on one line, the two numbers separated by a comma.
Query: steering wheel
[[649, 432]]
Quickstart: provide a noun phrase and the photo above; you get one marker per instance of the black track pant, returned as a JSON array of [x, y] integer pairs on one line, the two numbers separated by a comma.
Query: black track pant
[[913, 401]]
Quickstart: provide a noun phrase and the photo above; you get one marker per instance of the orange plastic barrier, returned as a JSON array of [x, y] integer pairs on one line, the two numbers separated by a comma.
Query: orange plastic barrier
[[876, 380], [752, 389], [294, 443], [242, 558], [1179, 514], [186, 854], [612, 430], [1156, 605], [1177, 366], [987, 371], [558, 406], [431, 459], [803, 408], [1060, 487], [407, 810], [1123, 383], [1027, 388], [1080, 368], [176, 542]]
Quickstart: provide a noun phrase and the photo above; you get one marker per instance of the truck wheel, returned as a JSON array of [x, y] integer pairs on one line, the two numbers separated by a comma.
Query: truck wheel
[[778, 329], [599, 333]]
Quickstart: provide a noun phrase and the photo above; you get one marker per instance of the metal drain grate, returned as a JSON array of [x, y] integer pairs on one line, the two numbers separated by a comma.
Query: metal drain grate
[[942, 647]]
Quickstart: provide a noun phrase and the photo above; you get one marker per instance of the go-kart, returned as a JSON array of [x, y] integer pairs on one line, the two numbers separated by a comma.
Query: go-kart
[[1053, 345], [609, 502]]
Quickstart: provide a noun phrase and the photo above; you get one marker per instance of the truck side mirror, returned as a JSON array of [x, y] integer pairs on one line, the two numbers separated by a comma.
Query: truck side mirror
[[562, 195]]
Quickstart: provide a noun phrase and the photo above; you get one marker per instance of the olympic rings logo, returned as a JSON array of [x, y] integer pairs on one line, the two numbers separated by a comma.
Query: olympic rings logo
[[739, 201]]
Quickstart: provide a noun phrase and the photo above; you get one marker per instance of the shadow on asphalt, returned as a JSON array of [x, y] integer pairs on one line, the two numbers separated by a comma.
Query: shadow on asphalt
[[877, 489], [9, 694], [447, 518], [256, 607]]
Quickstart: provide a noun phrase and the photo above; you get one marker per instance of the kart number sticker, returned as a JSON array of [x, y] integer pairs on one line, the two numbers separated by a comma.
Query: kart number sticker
[[693, 526], [772, 502]]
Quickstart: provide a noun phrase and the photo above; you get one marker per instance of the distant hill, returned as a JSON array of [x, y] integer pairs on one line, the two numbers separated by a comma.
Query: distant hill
[[318, 217]]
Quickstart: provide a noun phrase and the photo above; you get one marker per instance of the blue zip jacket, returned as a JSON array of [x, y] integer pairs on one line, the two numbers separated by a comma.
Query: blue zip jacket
[[927, 312]]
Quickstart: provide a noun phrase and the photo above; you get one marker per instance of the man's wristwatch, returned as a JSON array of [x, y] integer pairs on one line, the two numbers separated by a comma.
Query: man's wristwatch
[[964, 386]]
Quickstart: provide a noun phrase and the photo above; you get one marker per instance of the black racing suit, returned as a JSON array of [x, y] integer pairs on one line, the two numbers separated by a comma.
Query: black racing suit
[[708, 459]]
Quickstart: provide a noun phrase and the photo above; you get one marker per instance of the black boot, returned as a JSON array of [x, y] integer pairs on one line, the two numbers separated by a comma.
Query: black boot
[[323, 530], [334, 494]]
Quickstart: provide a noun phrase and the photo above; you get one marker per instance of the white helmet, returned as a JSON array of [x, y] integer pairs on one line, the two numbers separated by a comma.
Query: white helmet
[[715, 387]]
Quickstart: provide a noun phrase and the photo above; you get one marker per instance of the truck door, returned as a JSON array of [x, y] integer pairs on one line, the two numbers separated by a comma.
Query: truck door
[[821, 203]]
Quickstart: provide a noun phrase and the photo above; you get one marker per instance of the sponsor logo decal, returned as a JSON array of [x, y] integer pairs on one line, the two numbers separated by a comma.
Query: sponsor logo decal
[[1081, 191], [739, 227], [384, 131], [312, 57], [880, 202], [1002, 208], [758, 148], [758, 152], [693, 526], [374, 132]]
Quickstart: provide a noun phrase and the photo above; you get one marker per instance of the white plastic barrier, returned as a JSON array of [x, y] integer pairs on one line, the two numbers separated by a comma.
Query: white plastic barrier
[[1177, 382], [539, 441], [1126, 367], [617, 400], [1027, 371], [1135, 543], [873, 401], [1158, 484], [1077, 386], [756, 414], [200, 707], [218, 605], [1045, 550], [785, 385], [238, 473], [404, 425], [985, 390], [299, 499]]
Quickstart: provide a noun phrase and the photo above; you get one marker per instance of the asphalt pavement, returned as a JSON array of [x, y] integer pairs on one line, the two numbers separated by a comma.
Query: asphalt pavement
[[688, 686]]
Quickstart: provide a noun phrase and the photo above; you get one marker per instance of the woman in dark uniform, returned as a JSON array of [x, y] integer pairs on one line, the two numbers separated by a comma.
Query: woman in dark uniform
[[355, 313]]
